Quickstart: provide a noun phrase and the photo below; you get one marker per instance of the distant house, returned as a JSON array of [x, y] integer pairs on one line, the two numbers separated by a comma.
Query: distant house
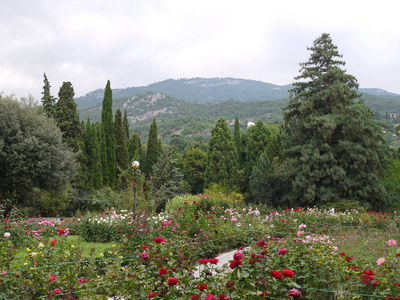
[[250, 124], [393, 116]]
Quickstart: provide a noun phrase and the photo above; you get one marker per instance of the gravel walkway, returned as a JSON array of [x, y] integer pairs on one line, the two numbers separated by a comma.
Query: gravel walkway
[[223, 259]]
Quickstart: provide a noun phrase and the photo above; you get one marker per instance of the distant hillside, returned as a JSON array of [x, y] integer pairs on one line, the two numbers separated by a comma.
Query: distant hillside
[[209, 90], [201, 90]]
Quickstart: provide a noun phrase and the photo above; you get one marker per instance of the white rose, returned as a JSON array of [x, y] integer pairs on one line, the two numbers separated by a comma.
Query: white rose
[[7, 234]]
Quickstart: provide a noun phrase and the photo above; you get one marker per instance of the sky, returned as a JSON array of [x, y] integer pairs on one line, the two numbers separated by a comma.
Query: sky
[[139, 42]]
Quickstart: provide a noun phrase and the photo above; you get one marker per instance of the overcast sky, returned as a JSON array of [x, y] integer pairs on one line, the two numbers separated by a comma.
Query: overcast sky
[[135, 43]]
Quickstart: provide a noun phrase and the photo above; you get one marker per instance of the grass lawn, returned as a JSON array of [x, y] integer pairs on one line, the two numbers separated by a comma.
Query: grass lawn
[[89, 250]]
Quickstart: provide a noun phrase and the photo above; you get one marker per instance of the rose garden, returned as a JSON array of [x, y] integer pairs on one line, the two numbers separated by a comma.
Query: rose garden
[[302, 253]]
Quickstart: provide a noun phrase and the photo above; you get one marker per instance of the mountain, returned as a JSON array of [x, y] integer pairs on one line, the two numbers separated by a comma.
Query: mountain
[[201, 90], [376, 92]]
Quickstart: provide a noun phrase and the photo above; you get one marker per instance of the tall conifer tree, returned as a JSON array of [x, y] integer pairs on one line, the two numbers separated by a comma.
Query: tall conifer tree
[[93, 171], [67, 117], [337, 151], [108, 139], [126, 124], [222, 156], [120, 142], [236, 138], [152, 147], [48, 100]]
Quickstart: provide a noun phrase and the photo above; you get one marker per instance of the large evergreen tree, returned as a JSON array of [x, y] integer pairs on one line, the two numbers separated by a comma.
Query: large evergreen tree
[[67, 117], [92, 160], [166, 177], [194, 167], [108, 139], [337, 150], [120, 142], [134, 148], [126, 124], [48, 100], [236, 138], [153, 147], [222, 156]]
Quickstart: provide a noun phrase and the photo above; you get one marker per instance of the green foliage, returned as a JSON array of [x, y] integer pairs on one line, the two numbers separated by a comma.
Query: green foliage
[[126, 124], [260, 182], [108, 146], [222, 157], [166, 177], [236, 138], [67, 117], [48, 100], [32, 154], [337, 150], [122, 158], [194, 166], [53, 203], [91, 161], [152, 147], [134, 148]]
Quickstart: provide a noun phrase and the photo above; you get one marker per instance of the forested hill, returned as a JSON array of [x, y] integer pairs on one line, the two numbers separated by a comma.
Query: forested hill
[[208, 90], [180, 119], [201, 90]]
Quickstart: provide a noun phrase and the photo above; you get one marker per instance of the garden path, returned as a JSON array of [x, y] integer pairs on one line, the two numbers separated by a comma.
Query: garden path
[[223, 258]]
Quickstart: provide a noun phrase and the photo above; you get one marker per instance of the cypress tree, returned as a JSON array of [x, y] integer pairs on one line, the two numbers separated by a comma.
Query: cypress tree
[[93, 172], [120, 142], [337, 151], [166, 177], [152, 147], [134, 148], [67, 117], [126, 124], [222, 156], [48, 100], [108, 139], [236, 138]]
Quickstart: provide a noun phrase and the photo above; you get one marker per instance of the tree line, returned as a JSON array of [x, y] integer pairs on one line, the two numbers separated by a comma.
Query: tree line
[[328, 149]]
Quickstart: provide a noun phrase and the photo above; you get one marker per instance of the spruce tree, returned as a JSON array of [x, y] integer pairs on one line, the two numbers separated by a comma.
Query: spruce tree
[[336, 150], [222, 157], [67, 117], [120, 142], [48, 100], [152, 147], [108, 139]]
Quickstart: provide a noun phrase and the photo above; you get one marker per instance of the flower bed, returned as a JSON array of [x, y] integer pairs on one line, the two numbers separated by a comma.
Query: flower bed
[[295, 253]]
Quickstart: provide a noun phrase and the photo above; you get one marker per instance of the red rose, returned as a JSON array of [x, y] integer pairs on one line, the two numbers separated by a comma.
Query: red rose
[[263, 294], [203, 261], [276, 274], [223, 297], [163, 271], [213, 261], [234, 263], [159, 240], [202, 287], [53, 242], [172, 281], [287, 273], [151, 295]]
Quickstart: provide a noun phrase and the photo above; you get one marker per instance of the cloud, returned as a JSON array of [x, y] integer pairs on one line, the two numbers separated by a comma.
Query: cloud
[[136, 43]]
